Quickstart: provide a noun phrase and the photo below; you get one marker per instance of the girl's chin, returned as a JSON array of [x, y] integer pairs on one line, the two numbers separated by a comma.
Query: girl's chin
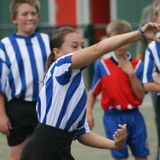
[[31, 31]]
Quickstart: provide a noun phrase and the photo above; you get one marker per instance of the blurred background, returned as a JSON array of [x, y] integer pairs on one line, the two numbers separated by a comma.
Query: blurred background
[[90, 16]]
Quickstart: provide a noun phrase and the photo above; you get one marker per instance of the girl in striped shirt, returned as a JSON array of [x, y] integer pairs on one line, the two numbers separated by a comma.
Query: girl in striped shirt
[[61, 107], [23, 57]]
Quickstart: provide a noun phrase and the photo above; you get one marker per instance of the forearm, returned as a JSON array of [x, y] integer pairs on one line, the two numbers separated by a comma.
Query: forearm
[[137, 86], [152, 87], [94, 140], [88, 55], [91, 99], [2, 104], [156, 78], [90, 105], [119, 40]]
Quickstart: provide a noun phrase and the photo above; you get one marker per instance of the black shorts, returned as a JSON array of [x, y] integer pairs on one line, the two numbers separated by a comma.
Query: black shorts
[[48, 143], [23, 119], [157, 114]]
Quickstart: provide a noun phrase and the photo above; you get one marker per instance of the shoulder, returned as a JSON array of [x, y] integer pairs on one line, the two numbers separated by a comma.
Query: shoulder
[[136, 60], [64, 59], [102, 61], [152, 44], [5, 40], [43, 37], [102, 64], [44, 34], [138, 63], [98, 63], [107, 60]]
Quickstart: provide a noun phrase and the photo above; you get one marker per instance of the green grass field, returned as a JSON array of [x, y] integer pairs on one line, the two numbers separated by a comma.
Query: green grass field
[[81, 152]]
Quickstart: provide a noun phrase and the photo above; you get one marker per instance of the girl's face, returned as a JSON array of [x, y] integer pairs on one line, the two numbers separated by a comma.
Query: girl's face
[[26, 19], [72, 42]]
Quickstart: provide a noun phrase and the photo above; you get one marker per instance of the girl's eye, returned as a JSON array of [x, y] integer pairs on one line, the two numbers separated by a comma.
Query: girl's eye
[[30, 13], [75, 47]]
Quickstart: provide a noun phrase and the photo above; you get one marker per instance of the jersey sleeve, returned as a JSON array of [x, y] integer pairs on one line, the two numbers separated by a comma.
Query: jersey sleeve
[[82, 128], [96, 83], [149, 66], [62, 70], [4, 68], [139, 70]]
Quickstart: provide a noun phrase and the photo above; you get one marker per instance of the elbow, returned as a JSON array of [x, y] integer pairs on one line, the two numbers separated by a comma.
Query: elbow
[[141, 95]]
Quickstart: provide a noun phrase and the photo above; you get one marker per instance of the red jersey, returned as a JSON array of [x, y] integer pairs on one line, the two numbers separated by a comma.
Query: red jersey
[[114, 84]]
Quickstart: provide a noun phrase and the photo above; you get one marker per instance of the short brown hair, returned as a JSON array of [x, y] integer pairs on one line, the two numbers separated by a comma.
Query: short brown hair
[[16, 3], [156, 8], [58, 40], [118, 27]]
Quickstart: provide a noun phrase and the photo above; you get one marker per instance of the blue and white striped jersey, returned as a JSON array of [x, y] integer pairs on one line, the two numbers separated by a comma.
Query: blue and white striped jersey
[[22, 65], [62, 99], [152, 61]]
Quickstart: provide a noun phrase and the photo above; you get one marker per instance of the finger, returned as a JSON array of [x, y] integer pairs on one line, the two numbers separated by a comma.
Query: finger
[[122, 125], [7, 132], [118, 137], [122, 132], [4, 130], [118, 134], [115, 138], [10, 126]]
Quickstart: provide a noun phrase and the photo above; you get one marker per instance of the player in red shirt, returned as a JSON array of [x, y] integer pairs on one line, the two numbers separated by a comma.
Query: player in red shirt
[[118, 79]]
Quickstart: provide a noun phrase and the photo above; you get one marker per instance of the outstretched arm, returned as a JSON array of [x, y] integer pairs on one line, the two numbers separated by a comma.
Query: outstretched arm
[[95, 140], [88, 55]]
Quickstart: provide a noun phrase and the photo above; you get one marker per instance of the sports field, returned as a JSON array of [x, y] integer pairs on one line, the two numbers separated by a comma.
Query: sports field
[[81, 152]]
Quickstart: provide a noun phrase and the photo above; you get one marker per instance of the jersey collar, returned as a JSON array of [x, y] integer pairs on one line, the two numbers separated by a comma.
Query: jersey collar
[[115, 59]]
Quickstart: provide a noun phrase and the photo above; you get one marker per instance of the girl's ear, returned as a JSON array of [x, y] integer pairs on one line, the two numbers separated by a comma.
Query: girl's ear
[[57, 52], [14, 20]]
